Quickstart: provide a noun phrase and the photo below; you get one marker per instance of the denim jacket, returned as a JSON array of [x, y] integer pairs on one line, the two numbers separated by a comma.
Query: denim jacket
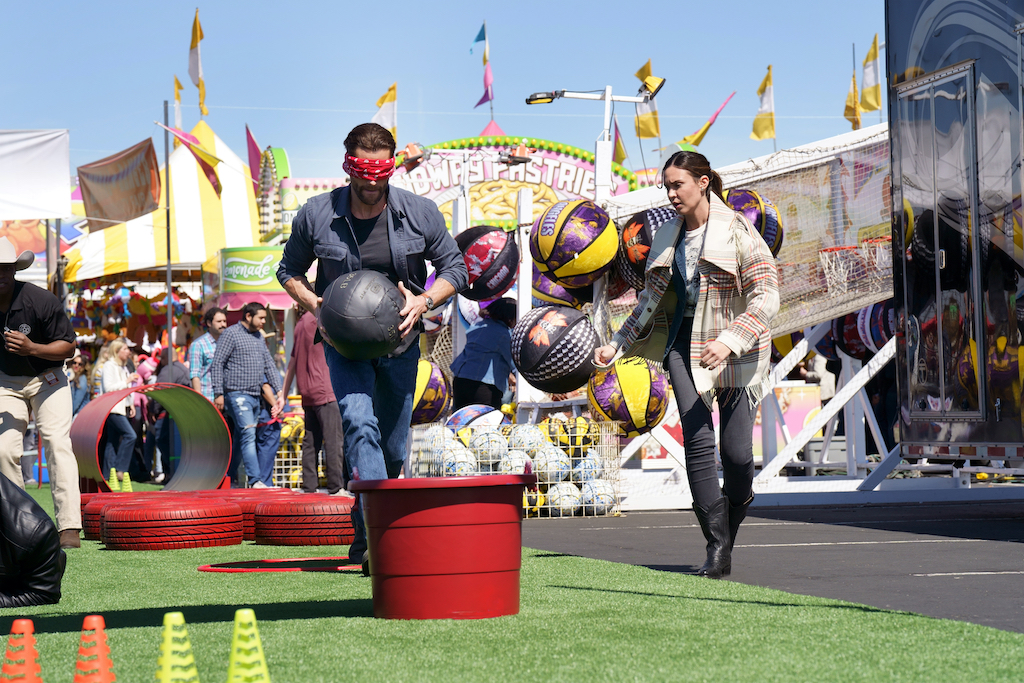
[[322, 230]]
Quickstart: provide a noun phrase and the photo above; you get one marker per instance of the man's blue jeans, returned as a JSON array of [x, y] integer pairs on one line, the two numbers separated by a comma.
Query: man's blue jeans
[[375, 398], [243, 409]]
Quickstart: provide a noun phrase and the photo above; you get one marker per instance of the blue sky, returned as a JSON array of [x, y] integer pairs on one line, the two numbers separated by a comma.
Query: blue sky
[[302, 74]]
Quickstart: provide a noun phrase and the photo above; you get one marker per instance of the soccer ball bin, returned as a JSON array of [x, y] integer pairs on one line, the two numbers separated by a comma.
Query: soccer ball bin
[[576, 460]]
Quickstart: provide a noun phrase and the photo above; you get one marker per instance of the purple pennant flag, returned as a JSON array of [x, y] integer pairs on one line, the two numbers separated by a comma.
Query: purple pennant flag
[[488, 81]]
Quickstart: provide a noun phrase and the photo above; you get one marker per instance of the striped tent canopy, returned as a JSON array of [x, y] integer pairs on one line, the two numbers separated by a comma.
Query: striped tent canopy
[[201, 223]]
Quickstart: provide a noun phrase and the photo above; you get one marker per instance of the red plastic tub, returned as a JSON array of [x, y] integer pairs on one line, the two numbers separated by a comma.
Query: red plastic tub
[[444, 547]]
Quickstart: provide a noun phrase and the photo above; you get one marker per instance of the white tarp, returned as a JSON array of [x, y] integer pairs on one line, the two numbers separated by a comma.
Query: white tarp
[[35, 169]]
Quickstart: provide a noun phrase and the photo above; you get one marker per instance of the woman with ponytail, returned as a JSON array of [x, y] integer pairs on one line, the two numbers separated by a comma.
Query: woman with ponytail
[[711, 292]]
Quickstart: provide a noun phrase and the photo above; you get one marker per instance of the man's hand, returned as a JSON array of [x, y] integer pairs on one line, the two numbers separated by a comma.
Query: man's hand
[[278, 406], [218, 403], [714, 353], [18, 344], [131, 412], [415, 306]]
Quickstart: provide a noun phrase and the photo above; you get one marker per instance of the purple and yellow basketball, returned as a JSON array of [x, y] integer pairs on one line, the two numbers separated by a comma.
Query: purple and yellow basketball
[[547, 291], [761, 213], [574, 242], [781, 346], [637, 236], [492, 259], [553, 347], [631, 392], [432, 398]]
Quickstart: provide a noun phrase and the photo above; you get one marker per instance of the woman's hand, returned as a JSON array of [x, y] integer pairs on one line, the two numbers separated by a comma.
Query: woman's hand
[[603, 355], [714, 354]]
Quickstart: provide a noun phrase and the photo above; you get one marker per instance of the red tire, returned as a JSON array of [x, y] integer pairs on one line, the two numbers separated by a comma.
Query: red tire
[[91, 509], [183, 523], [247, 499], [313, 520]]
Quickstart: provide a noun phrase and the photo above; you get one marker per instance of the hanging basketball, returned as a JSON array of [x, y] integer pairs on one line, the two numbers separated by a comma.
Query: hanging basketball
[[574, 242], [826, 346], [547, 291], [492, 259], [553, 348], [359, 315], [762, 214], [432, 397], [848, 340], [635, 244], [631, 392]]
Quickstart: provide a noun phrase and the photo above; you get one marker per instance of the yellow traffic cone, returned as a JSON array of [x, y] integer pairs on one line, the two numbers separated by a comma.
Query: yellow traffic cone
[[115, 485], [126, 484], [176, 663], [248, 663]]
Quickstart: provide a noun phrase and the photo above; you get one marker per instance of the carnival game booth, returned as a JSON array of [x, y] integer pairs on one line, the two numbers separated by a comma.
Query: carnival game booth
[[201, 222]]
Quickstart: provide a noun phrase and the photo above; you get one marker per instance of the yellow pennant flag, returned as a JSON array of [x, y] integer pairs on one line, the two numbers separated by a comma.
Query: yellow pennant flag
[[871, 95], [852, 110], [387, 112], [644, 72], [619, 154], [647, 120], [764, 121], [195, 65], [178, 87]]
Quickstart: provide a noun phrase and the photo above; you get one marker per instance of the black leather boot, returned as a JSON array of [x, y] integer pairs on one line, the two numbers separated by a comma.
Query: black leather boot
[[714, 522], [737, 513]]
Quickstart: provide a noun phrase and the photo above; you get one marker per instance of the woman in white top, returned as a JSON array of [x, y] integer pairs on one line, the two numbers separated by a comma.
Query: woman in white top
[[119, 432]]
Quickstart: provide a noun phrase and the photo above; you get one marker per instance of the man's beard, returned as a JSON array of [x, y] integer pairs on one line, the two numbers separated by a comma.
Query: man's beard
[[365, 197]]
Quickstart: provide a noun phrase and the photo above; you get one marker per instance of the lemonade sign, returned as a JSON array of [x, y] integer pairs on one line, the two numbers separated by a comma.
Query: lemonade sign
[[250, 269]]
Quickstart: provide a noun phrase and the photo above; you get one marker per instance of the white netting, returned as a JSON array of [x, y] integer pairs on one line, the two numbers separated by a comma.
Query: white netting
[[834, 193], [576, 461]]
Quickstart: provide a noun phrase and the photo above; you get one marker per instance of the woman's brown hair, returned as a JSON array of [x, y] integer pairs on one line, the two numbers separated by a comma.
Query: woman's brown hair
[[696, 165]]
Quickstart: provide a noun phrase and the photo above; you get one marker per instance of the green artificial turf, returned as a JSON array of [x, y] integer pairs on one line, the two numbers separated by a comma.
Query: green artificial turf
[[580, 620]]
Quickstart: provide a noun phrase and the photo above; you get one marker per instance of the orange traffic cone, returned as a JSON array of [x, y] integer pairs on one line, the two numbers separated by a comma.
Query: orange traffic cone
[[94, 664], [21, 662]]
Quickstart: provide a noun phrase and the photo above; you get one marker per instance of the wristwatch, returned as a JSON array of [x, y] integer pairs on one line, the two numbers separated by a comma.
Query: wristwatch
[[430, 302]]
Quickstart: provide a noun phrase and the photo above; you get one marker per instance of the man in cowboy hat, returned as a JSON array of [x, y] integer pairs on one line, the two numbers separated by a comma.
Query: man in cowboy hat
[[38, 337]]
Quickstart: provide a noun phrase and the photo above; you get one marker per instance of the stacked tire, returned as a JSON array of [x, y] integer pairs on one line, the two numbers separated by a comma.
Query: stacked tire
[[309, 519], [171, 524]]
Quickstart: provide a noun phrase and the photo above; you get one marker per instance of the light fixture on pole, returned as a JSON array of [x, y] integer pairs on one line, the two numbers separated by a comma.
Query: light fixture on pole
[[603, 153]]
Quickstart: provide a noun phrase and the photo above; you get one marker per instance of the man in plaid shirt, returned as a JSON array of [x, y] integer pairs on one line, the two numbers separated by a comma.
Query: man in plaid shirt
[[200, 354], [240, 364]]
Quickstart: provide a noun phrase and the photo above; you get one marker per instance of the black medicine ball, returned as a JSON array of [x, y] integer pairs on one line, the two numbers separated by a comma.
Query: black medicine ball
[[360, 316], [553, 347], [492, 259]]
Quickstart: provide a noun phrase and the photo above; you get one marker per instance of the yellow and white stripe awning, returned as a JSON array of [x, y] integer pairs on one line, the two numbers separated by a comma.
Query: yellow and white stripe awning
[[201, 223]]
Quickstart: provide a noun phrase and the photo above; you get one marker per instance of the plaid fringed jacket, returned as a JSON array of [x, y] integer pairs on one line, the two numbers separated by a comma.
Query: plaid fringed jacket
[[739, 297]]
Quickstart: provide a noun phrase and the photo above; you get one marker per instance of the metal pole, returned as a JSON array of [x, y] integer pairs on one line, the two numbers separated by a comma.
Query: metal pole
[[170, 307], [167, 195]]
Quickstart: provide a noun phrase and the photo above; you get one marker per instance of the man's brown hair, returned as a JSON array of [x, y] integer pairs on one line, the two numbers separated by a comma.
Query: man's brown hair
[[371, 137]]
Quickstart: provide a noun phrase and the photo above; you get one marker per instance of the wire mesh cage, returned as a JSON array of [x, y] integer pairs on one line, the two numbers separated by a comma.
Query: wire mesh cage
[[576, 461], [288, 463]]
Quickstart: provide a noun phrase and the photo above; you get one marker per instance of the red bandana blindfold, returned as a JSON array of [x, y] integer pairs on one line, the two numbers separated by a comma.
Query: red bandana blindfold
[[369, 169]]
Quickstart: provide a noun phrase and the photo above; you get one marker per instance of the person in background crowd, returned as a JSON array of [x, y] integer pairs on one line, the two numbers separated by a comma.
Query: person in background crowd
[[814, 370], [706, 312], [200, 360], [369, 225], [480, 373], [241, 364], [96, 377], [169, 371], [308, 367], [78, 379], [268, 435], [38, 338], [119, 432]]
